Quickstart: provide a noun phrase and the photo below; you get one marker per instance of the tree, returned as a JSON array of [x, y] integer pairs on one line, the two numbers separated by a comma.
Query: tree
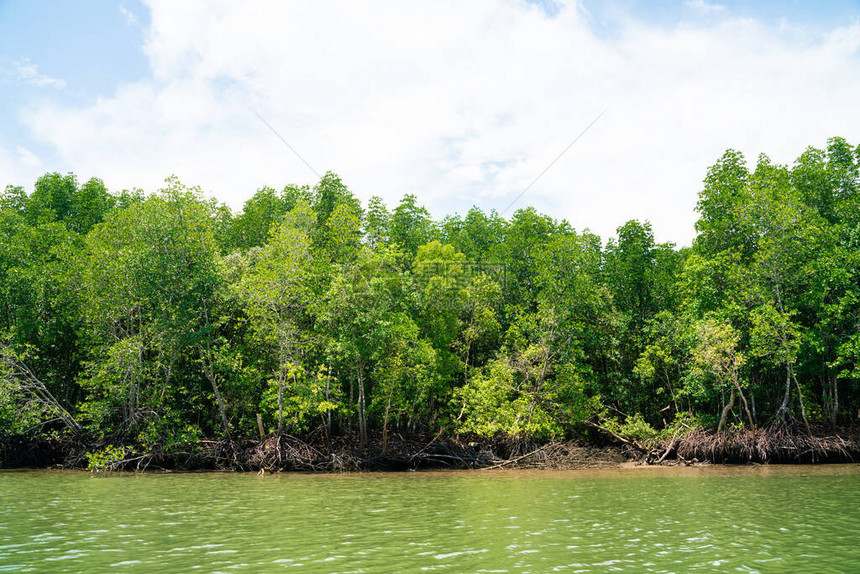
[[476, 234], [40, 299], [411, 225], [788, 240], [377, 223], [343, 233], [718, 226], [717, 352], [409, 383], [52, 199], [252, 227], [480, 328], [629, 266], [664, 362], [361, 312], [328, 194], [569, 289], [277, 292], [440, 275], [527, 392], [151, 279], [90, 204], [14, 198], [525, 240]]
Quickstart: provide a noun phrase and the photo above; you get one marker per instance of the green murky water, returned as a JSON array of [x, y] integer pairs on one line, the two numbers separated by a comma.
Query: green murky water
[[766, 519]]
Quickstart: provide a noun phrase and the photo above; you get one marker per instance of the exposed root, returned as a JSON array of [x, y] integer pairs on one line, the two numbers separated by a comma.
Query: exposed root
[[775, 445], [289, 453]]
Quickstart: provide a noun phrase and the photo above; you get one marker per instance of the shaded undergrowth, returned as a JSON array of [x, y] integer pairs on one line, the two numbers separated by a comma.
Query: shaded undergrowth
[[402, 453], [289, 453]]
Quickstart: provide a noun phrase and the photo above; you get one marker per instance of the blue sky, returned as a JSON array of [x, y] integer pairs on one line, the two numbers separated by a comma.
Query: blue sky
[[90, 46], [93, 45], [823, 14], [459, 104]]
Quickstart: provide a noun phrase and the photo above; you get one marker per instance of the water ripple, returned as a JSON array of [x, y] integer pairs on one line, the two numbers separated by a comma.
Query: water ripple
[[750, 520]]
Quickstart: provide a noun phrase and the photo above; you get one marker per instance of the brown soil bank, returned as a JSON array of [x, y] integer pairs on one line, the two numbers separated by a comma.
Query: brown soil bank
[[289, 453], [421, 452], [413, 453]]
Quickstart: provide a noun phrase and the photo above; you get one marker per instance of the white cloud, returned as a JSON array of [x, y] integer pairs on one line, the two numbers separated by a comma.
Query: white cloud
[[130, 18], [27, 158], [704, 6], [460, 104], [13, 166], [23, 72]]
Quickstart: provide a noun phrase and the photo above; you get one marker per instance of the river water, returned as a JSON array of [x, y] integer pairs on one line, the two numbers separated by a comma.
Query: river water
[[710, 519]]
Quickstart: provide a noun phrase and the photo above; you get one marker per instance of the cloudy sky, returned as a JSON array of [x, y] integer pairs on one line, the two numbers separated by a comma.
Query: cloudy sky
[[460, 103]]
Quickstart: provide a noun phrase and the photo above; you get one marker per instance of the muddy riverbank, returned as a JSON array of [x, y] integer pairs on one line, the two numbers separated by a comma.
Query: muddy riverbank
[[402, 453]]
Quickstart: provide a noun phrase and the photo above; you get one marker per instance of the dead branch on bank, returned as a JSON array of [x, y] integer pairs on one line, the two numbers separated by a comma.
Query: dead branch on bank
[[32, 393], [618, 438], [513, 461]]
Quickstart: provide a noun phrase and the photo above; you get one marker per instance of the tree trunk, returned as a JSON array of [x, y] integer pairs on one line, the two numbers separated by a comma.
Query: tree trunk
[[746, 408], [752, 402], [210, 374], [281, 405], [221, 406], [260, 427], [782, 411], [349, 419], [328, 400], [385, 422], [834, 411], [668, 378], [362, 422], [744, 400], [802, 407], [726, 410]]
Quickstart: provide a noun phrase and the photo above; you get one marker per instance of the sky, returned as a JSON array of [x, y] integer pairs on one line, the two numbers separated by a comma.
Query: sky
[[460, 103]]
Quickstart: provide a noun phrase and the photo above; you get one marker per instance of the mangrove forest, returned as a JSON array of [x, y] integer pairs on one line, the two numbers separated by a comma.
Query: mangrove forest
[[166, 329]]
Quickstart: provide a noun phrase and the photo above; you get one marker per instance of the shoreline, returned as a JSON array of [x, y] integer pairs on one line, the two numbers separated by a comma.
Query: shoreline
[[622, 470], [766, 447]]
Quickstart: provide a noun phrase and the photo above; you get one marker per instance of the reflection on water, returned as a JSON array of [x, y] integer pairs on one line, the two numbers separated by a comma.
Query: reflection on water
[[767, 519]]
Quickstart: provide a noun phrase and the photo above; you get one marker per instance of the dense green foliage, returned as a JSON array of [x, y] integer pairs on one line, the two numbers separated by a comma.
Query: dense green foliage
[[162, 319]]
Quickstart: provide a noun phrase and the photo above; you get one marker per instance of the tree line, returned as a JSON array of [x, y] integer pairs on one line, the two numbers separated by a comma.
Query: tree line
[[161, 320]]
